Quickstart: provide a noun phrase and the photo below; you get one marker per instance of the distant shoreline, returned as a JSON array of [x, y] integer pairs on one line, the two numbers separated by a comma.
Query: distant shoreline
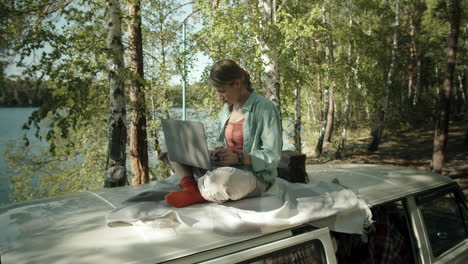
[[18, 106]]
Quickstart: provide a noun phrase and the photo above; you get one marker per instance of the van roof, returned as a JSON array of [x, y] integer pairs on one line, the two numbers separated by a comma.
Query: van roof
[[377, 184], [72, 229]]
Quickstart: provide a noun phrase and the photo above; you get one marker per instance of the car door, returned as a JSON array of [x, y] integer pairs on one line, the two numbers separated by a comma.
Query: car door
[[441, 220]]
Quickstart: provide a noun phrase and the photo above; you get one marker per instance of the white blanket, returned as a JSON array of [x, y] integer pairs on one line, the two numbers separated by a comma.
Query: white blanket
[[283, 205]]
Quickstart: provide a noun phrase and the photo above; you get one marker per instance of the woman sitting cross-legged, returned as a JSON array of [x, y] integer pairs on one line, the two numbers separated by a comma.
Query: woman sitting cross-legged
[[249, 140]]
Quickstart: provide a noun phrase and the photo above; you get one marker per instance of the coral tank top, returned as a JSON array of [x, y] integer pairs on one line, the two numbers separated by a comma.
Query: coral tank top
[[234, 134]]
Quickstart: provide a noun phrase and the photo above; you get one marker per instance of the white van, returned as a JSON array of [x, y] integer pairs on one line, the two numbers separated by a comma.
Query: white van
[[420, 217]]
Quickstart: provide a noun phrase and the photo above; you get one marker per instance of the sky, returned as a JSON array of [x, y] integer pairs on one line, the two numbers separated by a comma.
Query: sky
[[200, 61]]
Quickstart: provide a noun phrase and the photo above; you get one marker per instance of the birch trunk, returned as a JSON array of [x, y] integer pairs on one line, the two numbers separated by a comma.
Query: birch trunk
[[462, 80], [297, 119], [330, 117], [329, 53], [414, 76], [442, 121], [411, 64], [417, 87], [377, 132], [269, 55], [116, 173], [138, 122], [344, 131], [326, 103]]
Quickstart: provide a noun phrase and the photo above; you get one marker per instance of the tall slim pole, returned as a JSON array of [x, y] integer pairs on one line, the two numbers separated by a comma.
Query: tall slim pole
[[184, 111]]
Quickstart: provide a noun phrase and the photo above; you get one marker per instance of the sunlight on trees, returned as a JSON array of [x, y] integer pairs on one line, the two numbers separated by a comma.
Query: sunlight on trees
[[308, 45]]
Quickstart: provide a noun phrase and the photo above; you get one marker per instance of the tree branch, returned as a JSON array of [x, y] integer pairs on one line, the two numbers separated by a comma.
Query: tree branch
[[174, 9], [35, 10]]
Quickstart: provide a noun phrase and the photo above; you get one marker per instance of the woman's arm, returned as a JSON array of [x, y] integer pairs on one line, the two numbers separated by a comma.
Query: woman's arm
[[266, 152]]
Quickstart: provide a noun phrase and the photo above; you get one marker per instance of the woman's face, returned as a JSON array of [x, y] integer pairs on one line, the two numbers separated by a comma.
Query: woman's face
[[229, 93]]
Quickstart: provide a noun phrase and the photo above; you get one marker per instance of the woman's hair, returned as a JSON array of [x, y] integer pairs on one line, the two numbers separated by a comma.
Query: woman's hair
[[226, 71]]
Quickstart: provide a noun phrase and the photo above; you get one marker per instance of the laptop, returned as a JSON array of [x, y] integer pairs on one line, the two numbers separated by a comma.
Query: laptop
[[186, 144]]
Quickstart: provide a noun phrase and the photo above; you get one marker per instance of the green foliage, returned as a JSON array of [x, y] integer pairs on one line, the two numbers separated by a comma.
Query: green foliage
[[74, 165], [228, 32], [67, 42], [161, 46], [304, 30], [61, 46]]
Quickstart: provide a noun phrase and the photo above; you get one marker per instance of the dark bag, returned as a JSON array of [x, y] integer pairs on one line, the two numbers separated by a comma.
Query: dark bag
[[292, 167]]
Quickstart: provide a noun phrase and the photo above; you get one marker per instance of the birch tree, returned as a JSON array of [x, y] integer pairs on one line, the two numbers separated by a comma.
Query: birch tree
[[330, 116], [345, 113], [268, 52], [116, 172], [442, 120], [297, 23], [161, 43], [414, 12], [297, 120], [330, 58], [138, 123], [378, 131], [60, 45], [297, 114], [326, 104]]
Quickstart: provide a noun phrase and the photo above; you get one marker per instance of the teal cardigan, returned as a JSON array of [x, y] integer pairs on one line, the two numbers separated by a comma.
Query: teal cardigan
[[262, 135]]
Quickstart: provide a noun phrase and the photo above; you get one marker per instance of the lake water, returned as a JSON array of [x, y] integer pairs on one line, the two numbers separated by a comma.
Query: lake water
[[12, 119]]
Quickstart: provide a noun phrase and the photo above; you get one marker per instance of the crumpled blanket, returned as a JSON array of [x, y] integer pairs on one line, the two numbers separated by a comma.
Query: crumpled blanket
[[284, 205]]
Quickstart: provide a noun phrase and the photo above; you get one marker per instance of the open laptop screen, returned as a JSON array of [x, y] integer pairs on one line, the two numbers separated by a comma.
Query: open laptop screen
[[186, 142]]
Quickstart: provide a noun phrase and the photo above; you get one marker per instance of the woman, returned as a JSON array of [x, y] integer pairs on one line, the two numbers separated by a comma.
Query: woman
[[250, 142]]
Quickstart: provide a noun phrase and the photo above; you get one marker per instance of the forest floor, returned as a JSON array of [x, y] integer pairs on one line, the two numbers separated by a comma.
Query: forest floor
[[408, 148]]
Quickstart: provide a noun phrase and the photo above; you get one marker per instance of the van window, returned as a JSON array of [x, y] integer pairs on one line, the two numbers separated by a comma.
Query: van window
[[311, 252], [445, 219], [388, 240]]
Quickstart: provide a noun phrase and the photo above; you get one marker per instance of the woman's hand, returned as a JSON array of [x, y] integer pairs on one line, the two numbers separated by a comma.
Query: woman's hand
[[226, 156], [213, 154]]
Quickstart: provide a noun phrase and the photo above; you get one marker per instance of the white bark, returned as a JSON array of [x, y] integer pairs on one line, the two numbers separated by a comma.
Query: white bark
[[329, 54], [326, 104], [269, 55], [344, 131], [417, 86], [377, 133], [414, 87], [297, 119], [359, 84], [116, 169], [461, 77], [346, 114], [310, 110]]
